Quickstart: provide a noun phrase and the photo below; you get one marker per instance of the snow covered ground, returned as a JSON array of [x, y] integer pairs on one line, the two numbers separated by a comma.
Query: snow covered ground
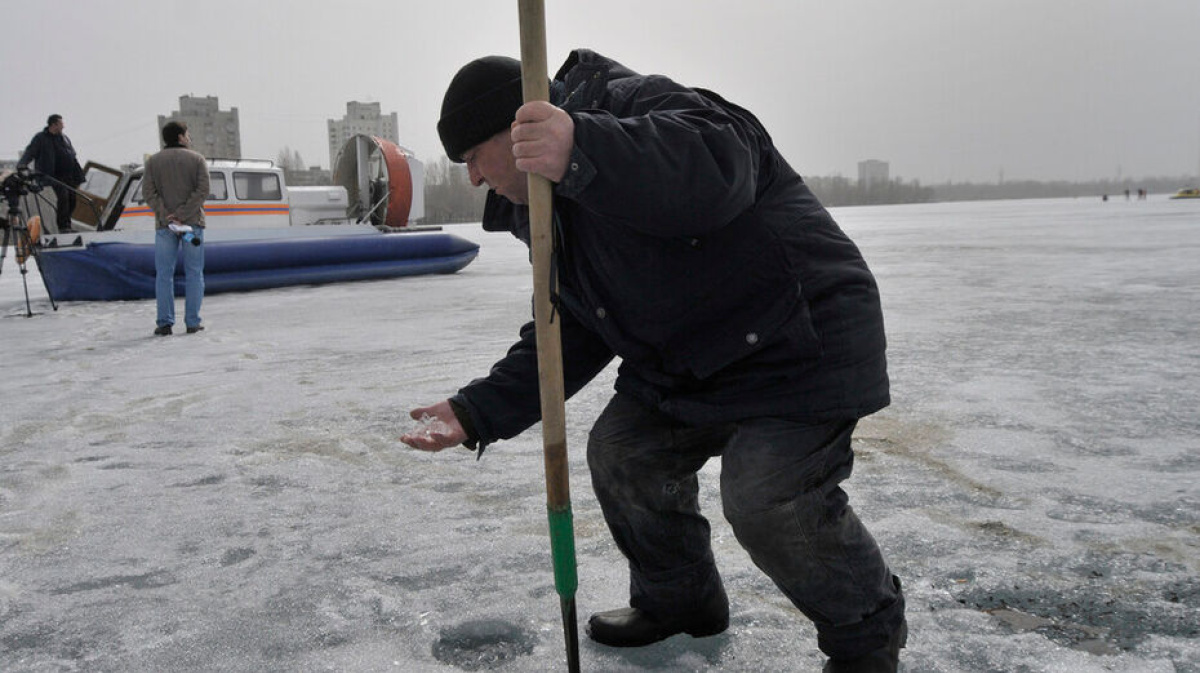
[[238, 500]]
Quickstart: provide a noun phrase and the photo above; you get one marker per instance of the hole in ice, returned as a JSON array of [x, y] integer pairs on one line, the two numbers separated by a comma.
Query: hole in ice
[[482, 645]]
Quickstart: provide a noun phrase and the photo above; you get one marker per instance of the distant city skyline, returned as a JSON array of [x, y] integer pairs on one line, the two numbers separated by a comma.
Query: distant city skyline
[[941, 90], [361, 118], [214, 132]]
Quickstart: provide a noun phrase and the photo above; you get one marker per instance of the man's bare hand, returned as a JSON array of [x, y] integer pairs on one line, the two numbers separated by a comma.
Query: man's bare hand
[[543, 136], [438, 428]]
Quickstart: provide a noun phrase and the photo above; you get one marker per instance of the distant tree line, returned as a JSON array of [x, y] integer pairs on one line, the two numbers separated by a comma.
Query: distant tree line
[[297, 174], [449, 196], [840, 191], [1030, 189], [289, 160]]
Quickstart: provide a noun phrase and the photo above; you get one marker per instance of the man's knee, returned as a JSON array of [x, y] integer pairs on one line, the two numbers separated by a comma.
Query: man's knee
[[624, 429], [600, 455], [765, 521], [774, 464]]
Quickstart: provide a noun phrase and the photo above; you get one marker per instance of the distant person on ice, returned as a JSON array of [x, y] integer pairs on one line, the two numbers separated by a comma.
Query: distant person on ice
[[175, 185], [53, 154], [747, 326]]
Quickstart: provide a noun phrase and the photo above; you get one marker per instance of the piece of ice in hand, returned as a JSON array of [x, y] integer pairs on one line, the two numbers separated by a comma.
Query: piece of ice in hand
[[428, 426]]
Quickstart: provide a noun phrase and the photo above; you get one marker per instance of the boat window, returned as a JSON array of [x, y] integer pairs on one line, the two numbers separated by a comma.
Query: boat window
[[257, 186], [99, 181], [217, 191]]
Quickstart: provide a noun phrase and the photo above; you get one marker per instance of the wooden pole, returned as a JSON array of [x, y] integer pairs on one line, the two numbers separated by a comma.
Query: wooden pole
[[536, 87]]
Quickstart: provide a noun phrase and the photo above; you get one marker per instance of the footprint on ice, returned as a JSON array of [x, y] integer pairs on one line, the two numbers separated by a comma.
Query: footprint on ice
[[482, 645]]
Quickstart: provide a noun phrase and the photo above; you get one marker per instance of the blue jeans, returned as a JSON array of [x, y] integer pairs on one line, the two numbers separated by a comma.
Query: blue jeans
[[166, 253], [780, 493]]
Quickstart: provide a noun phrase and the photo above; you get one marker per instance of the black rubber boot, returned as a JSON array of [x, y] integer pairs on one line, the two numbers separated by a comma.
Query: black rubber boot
[[883, 660], [631, 627]]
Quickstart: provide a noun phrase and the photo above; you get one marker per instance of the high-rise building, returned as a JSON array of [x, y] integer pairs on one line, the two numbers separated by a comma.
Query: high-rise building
[[215, 133], [872, 172], [364, 118]]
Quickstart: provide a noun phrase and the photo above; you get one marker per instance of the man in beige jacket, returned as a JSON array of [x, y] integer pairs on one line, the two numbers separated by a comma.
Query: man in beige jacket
[[175, 185]]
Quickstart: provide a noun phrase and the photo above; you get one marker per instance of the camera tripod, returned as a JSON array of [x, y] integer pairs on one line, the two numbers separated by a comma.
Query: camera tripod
[[16, 232]]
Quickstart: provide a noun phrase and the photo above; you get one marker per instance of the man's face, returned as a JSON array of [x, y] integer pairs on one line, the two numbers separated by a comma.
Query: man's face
[[186, 139], [491, 162], [57, 127]]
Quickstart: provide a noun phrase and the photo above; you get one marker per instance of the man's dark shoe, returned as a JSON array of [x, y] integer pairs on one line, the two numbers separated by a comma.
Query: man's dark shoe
[[884, 660], [630, 627], [162, 330], [195, 328]]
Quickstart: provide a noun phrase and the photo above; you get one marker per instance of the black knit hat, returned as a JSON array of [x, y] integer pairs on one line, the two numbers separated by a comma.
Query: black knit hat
[[481, 101]]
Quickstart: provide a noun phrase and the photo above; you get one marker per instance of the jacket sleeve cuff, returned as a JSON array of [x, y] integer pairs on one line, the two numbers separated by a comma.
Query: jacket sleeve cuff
[[464, 419], [580, 173]]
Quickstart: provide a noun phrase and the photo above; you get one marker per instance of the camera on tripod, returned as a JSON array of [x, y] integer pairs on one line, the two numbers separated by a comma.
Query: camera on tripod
[[19, 183], [15, 231]]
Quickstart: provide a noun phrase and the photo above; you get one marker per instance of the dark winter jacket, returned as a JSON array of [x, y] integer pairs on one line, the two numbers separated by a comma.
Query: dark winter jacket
[[54, 155], [687, 247]]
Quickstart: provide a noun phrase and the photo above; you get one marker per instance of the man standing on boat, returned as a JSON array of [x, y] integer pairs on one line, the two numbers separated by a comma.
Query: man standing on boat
[[747, 324], [53, 154], [175, 185]]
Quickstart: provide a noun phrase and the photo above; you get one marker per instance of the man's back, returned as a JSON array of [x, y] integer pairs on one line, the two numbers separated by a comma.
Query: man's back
[[176, 181]]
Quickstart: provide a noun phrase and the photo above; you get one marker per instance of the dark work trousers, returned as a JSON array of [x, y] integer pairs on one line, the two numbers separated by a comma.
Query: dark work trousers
[[64, 206], [780, 493]]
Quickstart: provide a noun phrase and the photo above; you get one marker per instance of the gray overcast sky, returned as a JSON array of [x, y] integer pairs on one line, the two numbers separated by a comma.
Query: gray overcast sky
[[942, 89]]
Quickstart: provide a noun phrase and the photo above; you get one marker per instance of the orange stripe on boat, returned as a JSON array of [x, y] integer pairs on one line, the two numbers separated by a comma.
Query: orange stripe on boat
[[247, 209]]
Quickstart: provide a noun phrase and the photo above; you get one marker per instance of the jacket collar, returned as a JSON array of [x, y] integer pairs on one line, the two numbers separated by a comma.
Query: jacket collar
[[500, 214], [585, 77]]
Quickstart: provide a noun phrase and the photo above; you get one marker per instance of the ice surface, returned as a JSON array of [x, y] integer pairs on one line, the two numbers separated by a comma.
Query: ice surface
[[238, 500]]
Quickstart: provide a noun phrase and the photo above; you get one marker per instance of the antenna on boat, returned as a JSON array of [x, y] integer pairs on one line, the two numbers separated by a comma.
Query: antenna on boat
[[16, 231]]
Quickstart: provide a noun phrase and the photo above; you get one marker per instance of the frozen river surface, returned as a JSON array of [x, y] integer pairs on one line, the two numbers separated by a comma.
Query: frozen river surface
[[238, 500]]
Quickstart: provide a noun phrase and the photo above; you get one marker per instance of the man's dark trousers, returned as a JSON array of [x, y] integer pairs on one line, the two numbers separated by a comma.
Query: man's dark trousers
[[780, 493], [64, 206]]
